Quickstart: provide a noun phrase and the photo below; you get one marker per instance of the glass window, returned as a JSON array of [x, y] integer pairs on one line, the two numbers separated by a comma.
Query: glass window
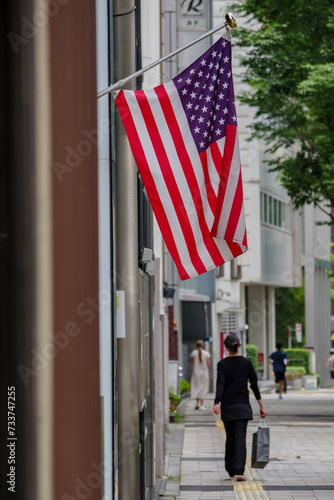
[[270, 209], [280, 213], [220, 271], [235, 270], [275, 212], [265, 212]]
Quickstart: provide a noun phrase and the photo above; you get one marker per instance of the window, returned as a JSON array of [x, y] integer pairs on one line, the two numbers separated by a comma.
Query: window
[[235, 270], [229, 322], [265, 204], [275, 211], [276, 203], [280, 218], [270, 209], [220, 271]]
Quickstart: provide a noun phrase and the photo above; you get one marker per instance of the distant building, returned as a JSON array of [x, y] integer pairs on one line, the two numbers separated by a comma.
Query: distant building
[[281, 249], [284, 245]]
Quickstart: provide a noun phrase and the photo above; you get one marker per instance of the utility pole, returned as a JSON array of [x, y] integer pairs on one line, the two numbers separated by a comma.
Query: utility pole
[[127, 266], [289, 337]]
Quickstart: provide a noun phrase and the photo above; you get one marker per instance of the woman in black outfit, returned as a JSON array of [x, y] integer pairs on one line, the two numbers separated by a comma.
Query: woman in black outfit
[[232, 401]]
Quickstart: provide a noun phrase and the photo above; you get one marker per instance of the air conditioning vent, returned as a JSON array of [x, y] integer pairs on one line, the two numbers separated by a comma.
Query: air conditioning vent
[[230, 322]]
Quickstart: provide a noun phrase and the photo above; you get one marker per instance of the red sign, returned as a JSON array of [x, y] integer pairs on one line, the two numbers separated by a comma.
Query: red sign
[[223, 351], [299, 332]]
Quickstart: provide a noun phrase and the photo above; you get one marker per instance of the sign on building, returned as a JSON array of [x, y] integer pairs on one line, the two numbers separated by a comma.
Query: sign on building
[[193, 13], [299, 332]]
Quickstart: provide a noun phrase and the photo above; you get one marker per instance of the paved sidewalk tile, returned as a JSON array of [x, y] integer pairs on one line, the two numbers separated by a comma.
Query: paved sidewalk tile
[[301, 452]]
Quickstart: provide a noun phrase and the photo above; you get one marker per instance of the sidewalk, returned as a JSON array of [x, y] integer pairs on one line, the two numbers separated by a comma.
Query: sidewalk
[[301, 452]]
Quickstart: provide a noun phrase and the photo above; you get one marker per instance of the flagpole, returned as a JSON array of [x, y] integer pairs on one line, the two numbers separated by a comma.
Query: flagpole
[[230, 22]]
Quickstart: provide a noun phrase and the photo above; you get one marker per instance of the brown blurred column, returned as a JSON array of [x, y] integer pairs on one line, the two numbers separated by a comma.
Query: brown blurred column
[[49, 248], [77, 420]]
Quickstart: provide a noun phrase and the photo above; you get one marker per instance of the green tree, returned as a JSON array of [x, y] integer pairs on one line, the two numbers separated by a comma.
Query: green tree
[[289, 310], [290, 69]]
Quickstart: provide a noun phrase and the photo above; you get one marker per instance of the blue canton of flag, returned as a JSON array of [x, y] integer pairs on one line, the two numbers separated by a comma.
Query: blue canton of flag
[[206, 92]]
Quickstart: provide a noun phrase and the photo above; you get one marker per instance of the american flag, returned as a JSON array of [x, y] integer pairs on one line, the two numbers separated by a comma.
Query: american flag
[[183, 136]]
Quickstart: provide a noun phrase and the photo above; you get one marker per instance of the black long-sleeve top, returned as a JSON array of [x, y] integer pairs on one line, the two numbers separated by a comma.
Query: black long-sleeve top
[[232, 392]]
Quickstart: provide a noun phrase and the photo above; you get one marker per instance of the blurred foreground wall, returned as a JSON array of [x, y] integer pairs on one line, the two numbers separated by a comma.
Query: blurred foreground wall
[[49, 249]]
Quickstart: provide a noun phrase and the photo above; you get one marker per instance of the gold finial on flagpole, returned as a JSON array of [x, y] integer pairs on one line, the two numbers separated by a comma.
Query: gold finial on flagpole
[[230, 20]]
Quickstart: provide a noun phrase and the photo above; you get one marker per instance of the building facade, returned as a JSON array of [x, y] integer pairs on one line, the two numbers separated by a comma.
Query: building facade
[[285, 246]]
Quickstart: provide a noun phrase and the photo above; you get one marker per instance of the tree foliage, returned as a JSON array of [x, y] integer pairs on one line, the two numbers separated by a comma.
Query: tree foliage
[[290, 68], [251, 353], [289, 310]]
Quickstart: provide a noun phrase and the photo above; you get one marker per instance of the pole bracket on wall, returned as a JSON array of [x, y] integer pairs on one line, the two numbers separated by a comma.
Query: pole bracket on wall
[[230, 23], [125, 13]]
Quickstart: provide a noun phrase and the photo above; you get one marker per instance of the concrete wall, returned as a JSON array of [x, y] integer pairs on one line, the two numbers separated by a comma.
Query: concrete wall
[[261, 322], [316, 263]]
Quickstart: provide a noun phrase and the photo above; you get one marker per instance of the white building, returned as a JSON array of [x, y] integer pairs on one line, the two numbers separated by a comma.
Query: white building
[[281, 240], [284, 246]]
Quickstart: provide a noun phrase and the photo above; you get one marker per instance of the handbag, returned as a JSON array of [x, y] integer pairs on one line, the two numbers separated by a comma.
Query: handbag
[[260, 446]]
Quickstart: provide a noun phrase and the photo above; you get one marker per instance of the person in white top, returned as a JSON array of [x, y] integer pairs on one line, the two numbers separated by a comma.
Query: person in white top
[[199, 384], [330, 365]]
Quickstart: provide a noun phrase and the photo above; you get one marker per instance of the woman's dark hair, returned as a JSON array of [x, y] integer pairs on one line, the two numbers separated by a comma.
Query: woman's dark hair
[[279, 345], [232, 342]]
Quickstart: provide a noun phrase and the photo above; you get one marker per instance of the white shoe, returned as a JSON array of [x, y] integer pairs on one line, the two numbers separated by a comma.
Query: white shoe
[[202, 408]]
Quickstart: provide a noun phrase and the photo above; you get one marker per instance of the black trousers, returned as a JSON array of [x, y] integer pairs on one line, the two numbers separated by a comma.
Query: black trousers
[[235, 446]]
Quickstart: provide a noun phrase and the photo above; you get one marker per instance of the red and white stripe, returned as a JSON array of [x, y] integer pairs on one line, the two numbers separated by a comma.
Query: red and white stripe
[[196, 198]]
